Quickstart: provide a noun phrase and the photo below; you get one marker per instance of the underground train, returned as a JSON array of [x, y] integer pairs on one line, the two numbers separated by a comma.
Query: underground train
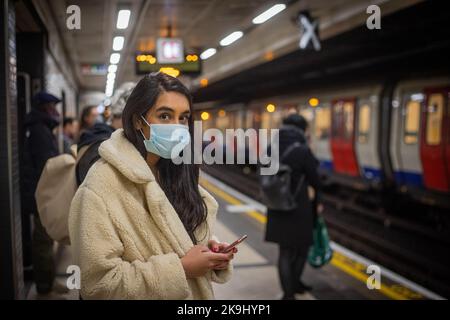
[[368, 137]]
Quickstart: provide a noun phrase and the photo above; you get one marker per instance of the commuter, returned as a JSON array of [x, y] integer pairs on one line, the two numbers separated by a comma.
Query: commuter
[[140, 226], [292, 230], [70, 132], [106, 114], [40, 145], [91, 139], [89, 117]]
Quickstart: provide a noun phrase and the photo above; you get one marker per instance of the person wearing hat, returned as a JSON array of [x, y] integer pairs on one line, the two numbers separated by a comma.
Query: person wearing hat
[[40, 145], [293, 230]]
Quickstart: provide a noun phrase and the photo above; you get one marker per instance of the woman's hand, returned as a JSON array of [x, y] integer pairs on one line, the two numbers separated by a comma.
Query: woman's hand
[[217, 247], [199, 260]]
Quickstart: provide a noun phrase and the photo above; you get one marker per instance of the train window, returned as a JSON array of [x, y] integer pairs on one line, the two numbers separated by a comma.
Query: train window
[[435, 113], [348, 120], [336, 124], [223, 123], [249, 119], [322, 123], [276, 119], [364, 123], [412, 122], [265, 121]]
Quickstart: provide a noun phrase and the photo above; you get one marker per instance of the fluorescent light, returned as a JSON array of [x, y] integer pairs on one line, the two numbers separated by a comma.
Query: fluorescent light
[[266, 15], [231, 38], [208, 53], [112, 68], [123, 18], [118, 43], [115, 58], [111, 76]]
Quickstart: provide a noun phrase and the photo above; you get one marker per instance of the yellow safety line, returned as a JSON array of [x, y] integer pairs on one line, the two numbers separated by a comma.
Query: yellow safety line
[[337, 260]]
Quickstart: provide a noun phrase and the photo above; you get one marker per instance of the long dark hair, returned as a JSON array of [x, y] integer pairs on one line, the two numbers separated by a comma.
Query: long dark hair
[[179, 182]]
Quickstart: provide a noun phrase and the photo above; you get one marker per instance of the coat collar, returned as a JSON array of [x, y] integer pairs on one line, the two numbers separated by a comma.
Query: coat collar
[[123, 155]]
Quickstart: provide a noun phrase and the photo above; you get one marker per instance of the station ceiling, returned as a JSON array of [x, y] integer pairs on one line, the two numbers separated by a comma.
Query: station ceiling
[[201, 23]]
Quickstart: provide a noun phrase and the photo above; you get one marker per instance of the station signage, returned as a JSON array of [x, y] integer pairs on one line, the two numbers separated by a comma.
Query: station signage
[[147, 62], [169, 50]]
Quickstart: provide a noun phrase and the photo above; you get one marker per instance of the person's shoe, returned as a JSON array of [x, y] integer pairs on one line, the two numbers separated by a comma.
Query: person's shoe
[[301, 287], [285, 297]]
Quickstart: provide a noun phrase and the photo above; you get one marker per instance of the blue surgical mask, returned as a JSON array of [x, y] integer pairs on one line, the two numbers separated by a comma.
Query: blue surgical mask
[[166, 140]]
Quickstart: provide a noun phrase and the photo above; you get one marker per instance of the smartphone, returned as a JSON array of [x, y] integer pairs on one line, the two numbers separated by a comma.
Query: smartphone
[[234, 244]]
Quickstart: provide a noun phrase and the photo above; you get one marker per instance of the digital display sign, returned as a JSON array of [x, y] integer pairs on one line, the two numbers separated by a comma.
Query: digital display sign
[[146, 62]]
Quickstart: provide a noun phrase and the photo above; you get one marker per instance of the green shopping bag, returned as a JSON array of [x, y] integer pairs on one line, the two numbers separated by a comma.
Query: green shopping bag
[[320, 253]]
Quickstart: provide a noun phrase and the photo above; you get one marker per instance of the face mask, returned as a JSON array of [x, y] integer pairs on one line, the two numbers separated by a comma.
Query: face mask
[[166, 140]]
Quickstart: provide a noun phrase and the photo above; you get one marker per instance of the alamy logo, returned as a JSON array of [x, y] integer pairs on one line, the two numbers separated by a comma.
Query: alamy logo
[[248, 146], [374, 280], [73, 21], [374, 20], [74, 280]]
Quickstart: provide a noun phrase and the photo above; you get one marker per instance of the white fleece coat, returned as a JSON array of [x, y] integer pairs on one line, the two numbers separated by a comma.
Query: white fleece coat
[[127, 238]]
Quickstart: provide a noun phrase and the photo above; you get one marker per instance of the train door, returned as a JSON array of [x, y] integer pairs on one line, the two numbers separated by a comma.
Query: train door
[[405, 124], [367, 138], [343, 137], [433, 143], [320, 136]]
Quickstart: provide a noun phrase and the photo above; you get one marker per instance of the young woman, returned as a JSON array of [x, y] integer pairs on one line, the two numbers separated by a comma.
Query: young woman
[[140, 226]]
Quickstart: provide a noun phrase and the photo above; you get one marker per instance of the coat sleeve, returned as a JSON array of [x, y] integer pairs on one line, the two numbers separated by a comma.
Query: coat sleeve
[[42, 146], [310, 165], [98, 251]]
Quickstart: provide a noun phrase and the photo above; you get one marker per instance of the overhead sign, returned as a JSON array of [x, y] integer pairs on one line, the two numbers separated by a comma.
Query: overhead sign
[[169, 50], [147, 62], [309, 31]]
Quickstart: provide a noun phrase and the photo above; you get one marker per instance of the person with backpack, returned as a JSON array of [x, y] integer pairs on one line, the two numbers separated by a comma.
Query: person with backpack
[[63, 174], [292, 227], [40, 145], [140, 225]]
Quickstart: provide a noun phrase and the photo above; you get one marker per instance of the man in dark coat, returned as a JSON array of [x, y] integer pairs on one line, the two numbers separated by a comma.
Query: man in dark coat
[[40, 145], [293, 230]]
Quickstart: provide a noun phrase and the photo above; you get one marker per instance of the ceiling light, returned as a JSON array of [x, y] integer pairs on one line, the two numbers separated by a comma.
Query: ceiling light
[[231, 38], [111, 76], [123, 18], [112, 68], [115, 58], [266, 15], [208, 53], [118, 43]]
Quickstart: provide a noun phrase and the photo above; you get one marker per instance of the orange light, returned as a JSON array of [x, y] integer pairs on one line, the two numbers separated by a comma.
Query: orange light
[[270, 107], [313, 102], [269, 55], [204, 82], [204, 115], [194, 57], [222, 113], [170, 71]]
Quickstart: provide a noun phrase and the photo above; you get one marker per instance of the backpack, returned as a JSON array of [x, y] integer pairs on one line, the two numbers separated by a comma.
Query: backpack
[[57, 186], [55, 190], [276, 189]]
